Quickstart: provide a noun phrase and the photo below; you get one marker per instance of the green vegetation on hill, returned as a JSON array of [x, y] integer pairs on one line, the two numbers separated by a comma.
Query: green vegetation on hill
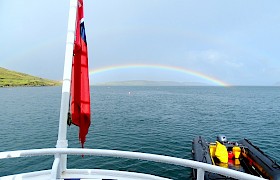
[[12, 79]]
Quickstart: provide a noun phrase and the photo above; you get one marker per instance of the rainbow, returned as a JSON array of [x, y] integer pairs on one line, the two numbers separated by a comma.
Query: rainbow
[[161, 67]]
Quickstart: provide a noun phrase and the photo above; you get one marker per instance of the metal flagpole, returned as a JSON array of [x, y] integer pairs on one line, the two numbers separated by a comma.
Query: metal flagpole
[[64, 108]]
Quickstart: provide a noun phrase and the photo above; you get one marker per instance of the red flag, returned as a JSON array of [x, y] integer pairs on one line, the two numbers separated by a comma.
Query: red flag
[[80, 92]]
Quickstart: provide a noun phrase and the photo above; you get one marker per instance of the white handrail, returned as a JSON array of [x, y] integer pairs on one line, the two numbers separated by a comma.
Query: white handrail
[[132, 155]]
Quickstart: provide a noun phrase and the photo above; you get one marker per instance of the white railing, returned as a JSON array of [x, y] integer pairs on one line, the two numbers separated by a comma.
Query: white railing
[[201, 167]]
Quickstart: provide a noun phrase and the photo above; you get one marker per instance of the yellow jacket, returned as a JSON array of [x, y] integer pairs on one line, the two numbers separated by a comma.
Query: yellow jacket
[[221, 152]]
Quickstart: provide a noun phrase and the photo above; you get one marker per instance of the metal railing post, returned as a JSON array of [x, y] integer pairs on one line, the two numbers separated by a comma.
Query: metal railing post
[[200, 174], [64, 108], [55, 173]]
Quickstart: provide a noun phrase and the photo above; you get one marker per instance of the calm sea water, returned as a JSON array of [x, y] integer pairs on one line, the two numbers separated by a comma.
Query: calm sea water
[[161, 120]]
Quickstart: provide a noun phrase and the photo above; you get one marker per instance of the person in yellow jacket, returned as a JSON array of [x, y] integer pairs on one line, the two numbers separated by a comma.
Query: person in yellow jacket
[[221, 150]]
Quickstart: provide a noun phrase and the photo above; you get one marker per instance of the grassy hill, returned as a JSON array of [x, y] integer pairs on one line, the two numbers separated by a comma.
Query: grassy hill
[[10, 78]]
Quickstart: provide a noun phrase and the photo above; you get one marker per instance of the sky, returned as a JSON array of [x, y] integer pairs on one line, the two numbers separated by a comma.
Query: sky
[[215, 42]]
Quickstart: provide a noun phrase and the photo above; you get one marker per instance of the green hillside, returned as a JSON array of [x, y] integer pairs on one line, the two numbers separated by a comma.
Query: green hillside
[[13, 79]]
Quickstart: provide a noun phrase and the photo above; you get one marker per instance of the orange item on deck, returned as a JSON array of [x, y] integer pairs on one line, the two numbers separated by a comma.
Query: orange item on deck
[[230, 155], [236, 151]]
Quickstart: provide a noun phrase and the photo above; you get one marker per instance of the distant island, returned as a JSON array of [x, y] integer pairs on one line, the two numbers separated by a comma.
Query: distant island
[[150, 83], [10, 78]]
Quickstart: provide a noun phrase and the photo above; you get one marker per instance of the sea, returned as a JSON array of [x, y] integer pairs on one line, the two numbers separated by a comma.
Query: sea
[[159, 120]]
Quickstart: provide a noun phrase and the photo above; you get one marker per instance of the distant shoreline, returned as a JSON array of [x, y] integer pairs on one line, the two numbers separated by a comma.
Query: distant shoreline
[[169, 83], [150, 83]]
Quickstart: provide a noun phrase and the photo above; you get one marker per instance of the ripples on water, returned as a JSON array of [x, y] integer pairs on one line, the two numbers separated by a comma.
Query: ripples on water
[[161, 120]]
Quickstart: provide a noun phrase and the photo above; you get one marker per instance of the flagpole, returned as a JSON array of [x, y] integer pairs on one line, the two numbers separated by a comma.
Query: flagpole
[[62, 141]]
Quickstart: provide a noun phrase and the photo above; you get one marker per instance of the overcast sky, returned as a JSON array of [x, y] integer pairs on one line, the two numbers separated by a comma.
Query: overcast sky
[[236, 42]]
